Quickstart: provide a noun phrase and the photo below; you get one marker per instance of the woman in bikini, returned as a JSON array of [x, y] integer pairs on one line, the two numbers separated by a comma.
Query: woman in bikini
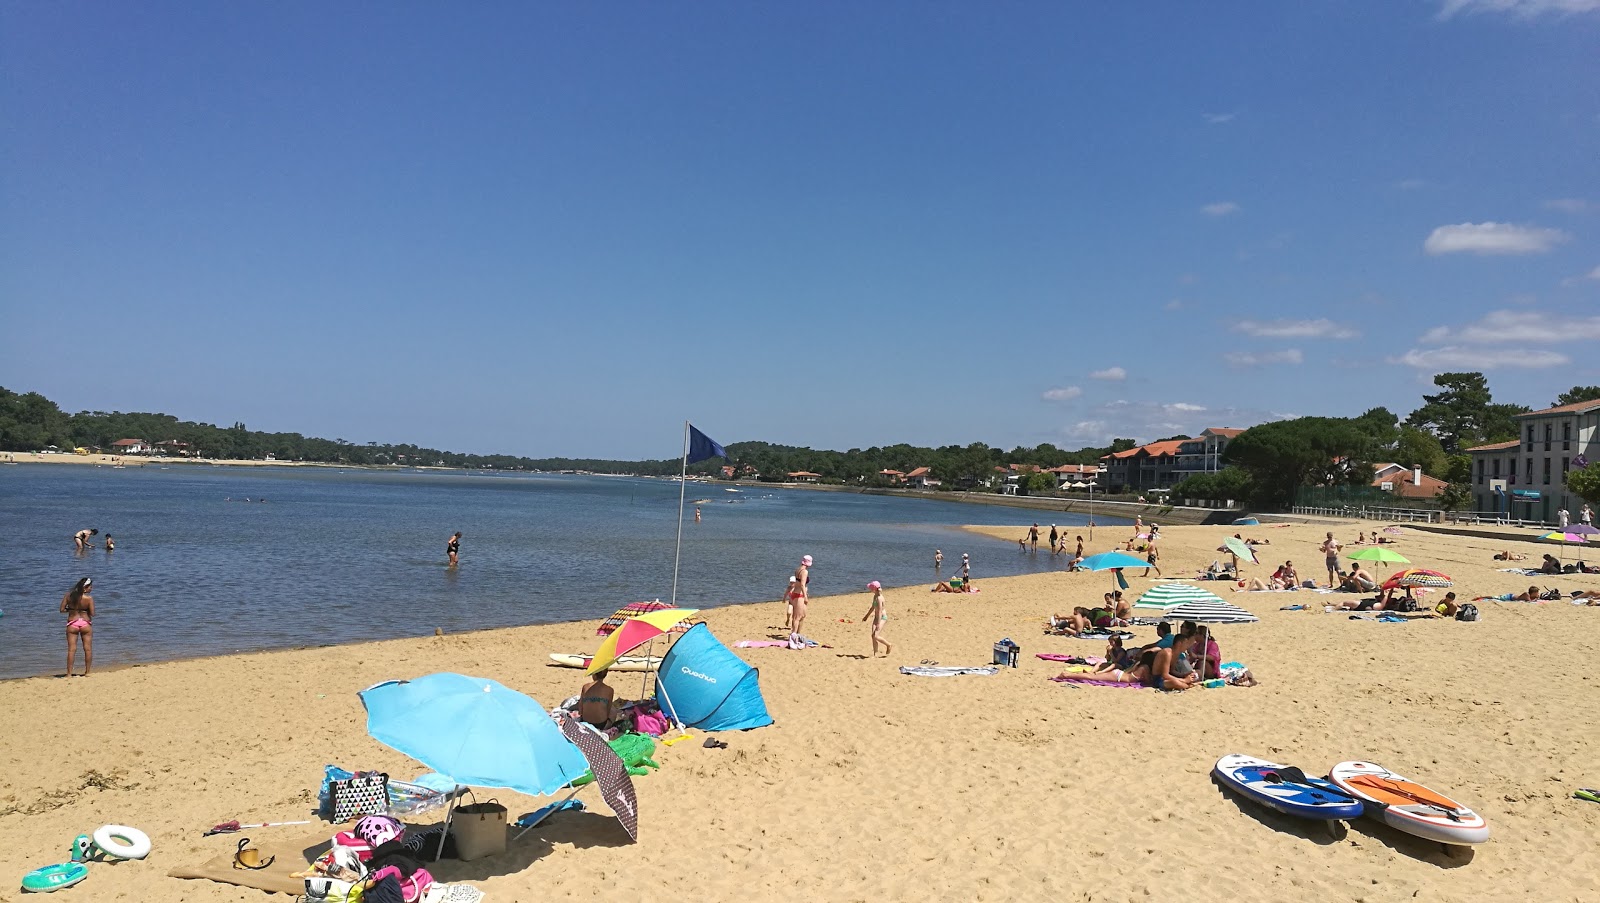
[[594, 701], [798, 597], [78, 606]]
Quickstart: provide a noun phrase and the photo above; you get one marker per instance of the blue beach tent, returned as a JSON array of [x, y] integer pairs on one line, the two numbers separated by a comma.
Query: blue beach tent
[[703, 684]]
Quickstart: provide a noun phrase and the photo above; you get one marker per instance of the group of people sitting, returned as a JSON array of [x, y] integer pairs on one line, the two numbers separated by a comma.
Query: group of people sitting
[[1285, 577], [1113, 611], [1175, 661], [1377, 539]]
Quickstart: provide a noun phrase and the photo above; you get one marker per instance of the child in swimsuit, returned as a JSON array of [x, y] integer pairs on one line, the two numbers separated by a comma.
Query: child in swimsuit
[[879, 615]]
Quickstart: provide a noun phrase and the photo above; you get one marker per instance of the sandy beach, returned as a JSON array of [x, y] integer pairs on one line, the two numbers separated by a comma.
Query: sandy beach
[[875, 785]]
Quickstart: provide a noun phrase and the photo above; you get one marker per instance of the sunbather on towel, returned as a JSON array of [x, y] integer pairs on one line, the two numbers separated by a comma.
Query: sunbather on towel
[[1509, 555], [1531, 594], [1138, 674]]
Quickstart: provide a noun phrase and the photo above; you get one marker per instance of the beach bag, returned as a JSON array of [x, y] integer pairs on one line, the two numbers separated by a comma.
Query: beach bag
[[479, 830], [653, 723], [331, 890], [412, 887], [363, 794], [1467, 612]]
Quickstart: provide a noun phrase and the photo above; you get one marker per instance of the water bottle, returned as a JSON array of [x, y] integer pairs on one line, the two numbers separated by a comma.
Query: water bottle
[[1215, 682]]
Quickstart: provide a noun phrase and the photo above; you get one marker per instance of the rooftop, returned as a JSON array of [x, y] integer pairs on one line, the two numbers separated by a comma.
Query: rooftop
[[1582, 407]]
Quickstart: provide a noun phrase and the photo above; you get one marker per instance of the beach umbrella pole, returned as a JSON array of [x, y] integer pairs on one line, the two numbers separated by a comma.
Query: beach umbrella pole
[[683, 486]]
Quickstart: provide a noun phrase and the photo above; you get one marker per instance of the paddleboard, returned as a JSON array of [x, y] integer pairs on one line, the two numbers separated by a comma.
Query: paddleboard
[[1315, 798], [1408, 806], [626, 663], [54, 877]]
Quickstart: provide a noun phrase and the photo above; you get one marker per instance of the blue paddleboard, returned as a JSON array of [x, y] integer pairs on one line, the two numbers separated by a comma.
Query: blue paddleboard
[[1260, 781]]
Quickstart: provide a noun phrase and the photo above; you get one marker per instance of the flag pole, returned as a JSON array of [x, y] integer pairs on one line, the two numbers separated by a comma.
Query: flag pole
[[683, 486]]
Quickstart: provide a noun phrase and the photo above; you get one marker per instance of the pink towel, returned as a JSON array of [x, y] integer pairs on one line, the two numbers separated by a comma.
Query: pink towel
[[1087, 680], [761, 644]]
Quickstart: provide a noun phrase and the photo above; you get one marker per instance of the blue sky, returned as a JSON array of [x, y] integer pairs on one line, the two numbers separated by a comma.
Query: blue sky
[[560, 229]]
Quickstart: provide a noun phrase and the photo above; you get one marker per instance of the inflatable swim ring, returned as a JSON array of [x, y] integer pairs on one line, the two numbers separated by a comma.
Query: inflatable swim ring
[[54, 877], [122, 842]]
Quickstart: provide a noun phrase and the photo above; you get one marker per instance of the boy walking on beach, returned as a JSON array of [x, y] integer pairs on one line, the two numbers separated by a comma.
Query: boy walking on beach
[[878, 614]]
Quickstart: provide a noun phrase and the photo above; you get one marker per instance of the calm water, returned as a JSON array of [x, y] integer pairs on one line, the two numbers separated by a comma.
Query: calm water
[[336, 556]]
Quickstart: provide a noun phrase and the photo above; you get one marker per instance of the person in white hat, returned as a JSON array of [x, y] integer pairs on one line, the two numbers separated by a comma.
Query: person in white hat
[[798, 597], [966, 573]]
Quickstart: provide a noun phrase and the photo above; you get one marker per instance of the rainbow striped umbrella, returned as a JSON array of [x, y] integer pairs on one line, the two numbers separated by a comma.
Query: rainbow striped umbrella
[[635, 632], [1418, 577]]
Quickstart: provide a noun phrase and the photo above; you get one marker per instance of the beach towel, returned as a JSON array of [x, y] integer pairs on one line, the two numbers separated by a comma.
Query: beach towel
[[1526, 572], [539, 815], [761, 644], [291, 856], [933, 671], [1087, 681], [1104, 634]]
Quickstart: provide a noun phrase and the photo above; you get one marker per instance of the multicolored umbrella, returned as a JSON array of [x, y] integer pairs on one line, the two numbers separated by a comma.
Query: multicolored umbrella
[[1572, 533], [1383, 556], [633, 610], [1106, 561], [1418, 577], [635, 632], [1171, 595], [616, 785]]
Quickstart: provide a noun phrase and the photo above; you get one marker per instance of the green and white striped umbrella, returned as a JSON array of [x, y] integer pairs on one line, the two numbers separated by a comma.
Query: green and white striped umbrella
[[1170, 595]]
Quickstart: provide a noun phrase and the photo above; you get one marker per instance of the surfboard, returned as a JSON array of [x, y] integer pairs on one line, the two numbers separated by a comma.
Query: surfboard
[[54, 877], [1262, 782], [626, 663], [1407, 806]]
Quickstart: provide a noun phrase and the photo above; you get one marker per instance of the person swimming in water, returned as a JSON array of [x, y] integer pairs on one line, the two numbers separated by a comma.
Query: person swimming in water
[[78, 606]]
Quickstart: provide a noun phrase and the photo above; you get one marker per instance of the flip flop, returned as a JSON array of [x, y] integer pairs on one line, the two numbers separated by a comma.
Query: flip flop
[[1587, 793]]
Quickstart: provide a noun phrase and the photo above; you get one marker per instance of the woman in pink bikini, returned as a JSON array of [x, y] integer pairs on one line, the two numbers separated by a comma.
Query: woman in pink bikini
[[78, 606]]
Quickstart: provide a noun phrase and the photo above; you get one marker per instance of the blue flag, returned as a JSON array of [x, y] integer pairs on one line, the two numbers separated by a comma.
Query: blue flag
[[702, 446]]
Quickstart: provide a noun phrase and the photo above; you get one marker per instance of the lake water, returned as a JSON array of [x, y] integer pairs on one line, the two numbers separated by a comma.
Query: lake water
[[338, 556]]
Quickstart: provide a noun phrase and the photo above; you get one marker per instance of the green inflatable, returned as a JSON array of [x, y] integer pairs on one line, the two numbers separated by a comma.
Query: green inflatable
[[634, 750]]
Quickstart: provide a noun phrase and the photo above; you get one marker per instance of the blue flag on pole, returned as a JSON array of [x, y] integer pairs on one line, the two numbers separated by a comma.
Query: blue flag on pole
[[702, 446]]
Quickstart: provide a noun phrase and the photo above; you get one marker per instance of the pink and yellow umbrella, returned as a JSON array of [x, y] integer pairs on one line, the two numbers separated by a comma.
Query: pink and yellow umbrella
[[635, 632], [1418, 577]]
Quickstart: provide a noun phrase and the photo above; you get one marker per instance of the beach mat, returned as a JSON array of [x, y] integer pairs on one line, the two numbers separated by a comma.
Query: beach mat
[[293, 855], [1087, 681], [935, 671]]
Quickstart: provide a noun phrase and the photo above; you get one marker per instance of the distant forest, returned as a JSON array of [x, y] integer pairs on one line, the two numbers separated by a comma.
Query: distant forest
[[32, 422]]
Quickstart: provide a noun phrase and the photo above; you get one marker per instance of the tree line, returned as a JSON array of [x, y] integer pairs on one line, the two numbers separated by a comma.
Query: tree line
[[1266, 464], [1269, 462]]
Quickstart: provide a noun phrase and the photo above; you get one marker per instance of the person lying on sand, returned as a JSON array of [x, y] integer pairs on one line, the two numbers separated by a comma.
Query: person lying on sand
[[1531, 594], [1509, 555], [1581, 568], [1138, 674], [1384, 601], [1257, 585], [954, 586]]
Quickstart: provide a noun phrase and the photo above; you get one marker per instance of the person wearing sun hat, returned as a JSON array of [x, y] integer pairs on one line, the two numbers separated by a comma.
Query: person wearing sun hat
[[966, 573], [879, 615], [799, 595]]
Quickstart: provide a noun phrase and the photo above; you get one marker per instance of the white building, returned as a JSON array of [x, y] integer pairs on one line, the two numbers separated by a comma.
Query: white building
[[1527, 477]]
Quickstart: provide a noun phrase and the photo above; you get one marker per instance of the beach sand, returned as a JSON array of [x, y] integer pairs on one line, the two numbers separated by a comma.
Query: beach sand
[[873, 785]]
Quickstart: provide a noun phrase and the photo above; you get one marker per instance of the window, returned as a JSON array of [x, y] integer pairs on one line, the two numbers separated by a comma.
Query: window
[[1566, 437], [1549, 430], [1547, 471], [1496, 468], [1565, 466], [1480, 470], [1527, 472], [1530, 437]]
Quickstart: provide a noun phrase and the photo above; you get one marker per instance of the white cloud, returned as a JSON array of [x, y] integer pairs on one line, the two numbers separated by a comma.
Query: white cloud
[[1220, 118], [1569, 205], [1521, 9], [1065, 393], [1296, 329], [1184, 407], [1174, 304], [1110, 374], [1411, 184], [1492, 238], [1501, 328], [1220, 208], [1457, 357], [1261, 359]]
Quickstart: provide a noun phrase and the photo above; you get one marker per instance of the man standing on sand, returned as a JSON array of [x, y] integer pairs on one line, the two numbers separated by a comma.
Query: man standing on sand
[[799, 595], [1330, 550], [1563, 517], [1033, 538], [1586, 515]]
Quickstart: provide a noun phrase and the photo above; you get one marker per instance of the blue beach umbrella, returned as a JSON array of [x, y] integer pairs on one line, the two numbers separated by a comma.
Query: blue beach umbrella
[[474, 731], [1105, 561]]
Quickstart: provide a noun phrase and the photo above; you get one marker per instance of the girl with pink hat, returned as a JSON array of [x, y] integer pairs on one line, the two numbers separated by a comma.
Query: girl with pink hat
[[798, 597], [878, 614]]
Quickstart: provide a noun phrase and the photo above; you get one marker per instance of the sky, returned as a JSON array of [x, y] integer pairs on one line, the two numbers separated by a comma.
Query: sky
[[558, 229]]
